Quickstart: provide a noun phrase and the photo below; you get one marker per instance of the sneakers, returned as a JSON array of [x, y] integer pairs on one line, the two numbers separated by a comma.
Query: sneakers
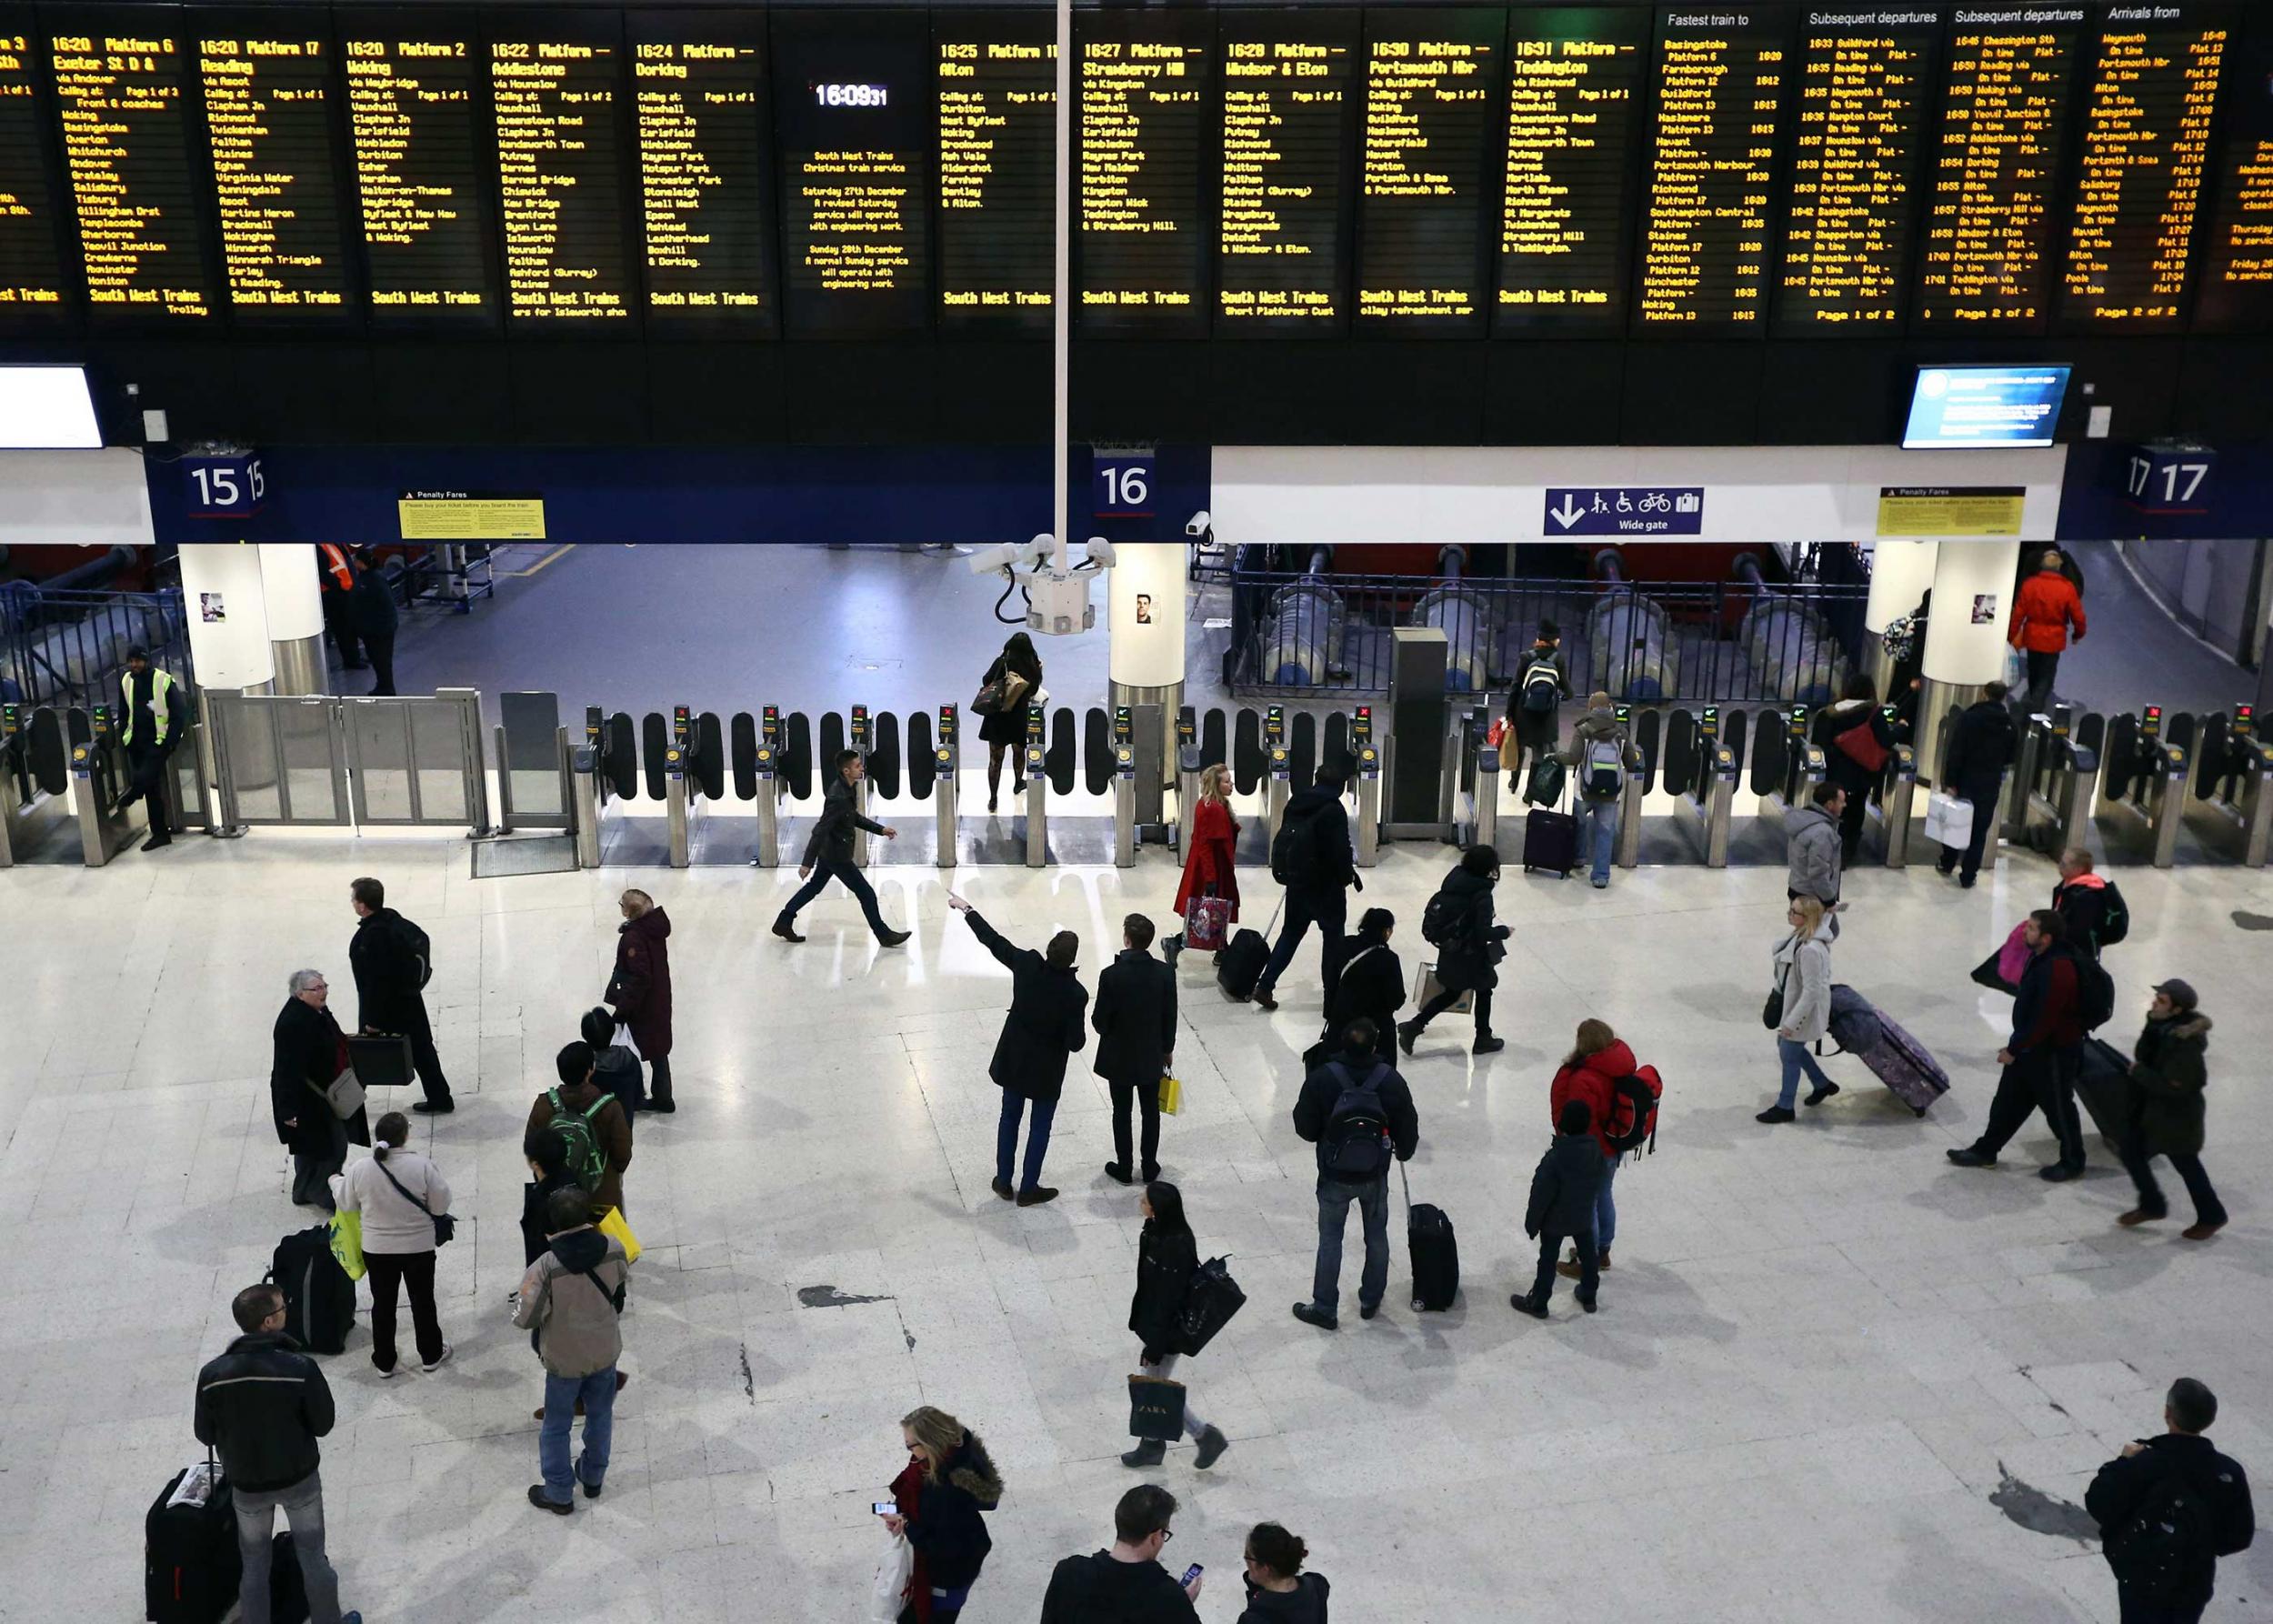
[[2141, 1215], [1524, 1303], [1212, 1444], [1406, 1031], [1309, 1314], [1118, 1171], [1150, 1452], [1965, 1156], [1039, 1196], [1602, 885], [391, 1372], [1777, 1113], [2060, 1172], [787, 930], [892, 938], [2202, 1231], [539, 1500], [1486, 1044], [1822, 1093], [431, 1366]]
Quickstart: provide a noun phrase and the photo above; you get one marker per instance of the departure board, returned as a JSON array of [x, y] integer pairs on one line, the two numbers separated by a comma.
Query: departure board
[[853, 106], [1142, 97], [1290, 101], [412, 88], [119, 96], [2236, 290], [997, 169], [557, 98], [1864, 85], [1990, 223], [1575, 77], [1723, 78], [31, 264], [2146, 117], [276, 175], [1432, 94]]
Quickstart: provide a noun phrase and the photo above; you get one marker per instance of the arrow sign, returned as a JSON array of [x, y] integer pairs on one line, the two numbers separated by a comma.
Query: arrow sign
[[1624, 510], [1570, 513]]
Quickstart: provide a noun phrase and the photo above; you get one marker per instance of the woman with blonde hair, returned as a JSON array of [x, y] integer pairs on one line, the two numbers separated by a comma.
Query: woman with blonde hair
[[1801, 1006], [1211, 840], [948, 1481]]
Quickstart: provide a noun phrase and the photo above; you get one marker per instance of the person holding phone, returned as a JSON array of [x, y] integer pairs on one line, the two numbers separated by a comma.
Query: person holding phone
[[1127, 1583], [1167, 1258], [936, 1501], [1278, 1590]]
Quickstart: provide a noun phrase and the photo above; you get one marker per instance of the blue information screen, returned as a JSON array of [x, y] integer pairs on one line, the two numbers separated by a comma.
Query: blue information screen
[[1985, 405]]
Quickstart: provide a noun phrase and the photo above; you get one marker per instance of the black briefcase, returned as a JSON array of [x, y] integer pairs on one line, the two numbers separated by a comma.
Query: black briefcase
[[381, 1060]]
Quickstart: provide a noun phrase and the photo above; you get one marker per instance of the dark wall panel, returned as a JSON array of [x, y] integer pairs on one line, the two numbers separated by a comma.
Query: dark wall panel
[[1692, 394], [1554, 394]]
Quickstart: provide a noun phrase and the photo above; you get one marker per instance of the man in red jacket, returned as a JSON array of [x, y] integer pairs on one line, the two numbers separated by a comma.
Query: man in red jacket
[[2041, 1058], [2048, 605]]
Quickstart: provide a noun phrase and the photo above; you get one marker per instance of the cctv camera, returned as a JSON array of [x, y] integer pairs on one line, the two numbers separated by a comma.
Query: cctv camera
[[1101, 553], [1013, 557], [1200, 522]]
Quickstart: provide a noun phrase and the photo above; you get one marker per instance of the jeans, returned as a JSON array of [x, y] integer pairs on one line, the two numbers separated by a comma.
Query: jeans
[[1146, 1097], [829, 869], [1795, 1060], [2138, 1163], [428, 1064], [2037, 1079], [1606, 1212], [1373, 1205], [597, 1392], [1037, 1138], [1166, 1371], [2042, 669], [1590, 1269], [1600, 819], [1445, 999], [302, 1505], [389, 1271], [1328, 909]]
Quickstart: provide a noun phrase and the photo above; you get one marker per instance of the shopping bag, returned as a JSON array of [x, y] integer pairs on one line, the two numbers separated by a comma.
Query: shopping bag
[[1428, 986], [1496, 735], [889, 1593], [1171, 1096], [612, 1224], [1948, 820], [1207, 923], [1155, 1408], [347, 1242]]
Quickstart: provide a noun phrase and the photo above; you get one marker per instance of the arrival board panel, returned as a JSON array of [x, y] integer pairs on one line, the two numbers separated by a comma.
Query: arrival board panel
[[1723, 78], [2006, 101], [997, 169], [1433, 82], [853, 109], [32, 291], [414, 82], [2147, 111], [1290, 103], [702, 120], [121, 81], [275, 173], [1140, 242], [2236, 285], [1865, 81], [1575, 78], [556, 94]]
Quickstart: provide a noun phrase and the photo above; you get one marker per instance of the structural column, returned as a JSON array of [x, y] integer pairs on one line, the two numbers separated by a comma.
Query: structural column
[[1145, 656], [1965, 636], [228, 617], [294, 600], [1900, 574]]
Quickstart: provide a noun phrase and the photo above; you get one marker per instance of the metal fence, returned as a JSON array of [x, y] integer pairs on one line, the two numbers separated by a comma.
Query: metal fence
[[1644, 642], [67, 648]]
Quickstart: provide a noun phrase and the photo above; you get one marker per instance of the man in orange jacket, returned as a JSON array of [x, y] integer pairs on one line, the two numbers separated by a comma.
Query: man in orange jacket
[[2048, 605]]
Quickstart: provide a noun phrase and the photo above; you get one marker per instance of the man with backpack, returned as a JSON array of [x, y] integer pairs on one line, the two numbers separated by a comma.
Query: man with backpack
[[2094, 910], [393, 961], [571, 1322], [1311, 856], [2063, 995], [1535, 706], [592, 1127], [1359, 1114], [2167, 1507], [1598, 754]]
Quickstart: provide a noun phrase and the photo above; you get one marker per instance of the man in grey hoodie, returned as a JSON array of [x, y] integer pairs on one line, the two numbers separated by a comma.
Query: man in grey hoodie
[[1814, 850], [1598, 754], [570, 1298]]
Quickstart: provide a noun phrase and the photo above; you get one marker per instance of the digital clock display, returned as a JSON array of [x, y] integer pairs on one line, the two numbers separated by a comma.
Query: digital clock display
[[852, 95]]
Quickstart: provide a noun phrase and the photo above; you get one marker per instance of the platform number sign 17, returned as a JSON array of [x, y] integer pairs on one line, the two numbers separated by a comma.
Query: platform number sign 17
[[223, 487], [2160, 481], [1124, 484]]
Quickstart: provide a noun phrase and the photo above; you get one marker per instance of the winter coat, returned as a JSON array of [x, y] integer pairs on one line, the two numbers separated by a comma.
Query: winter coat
[[832, 840], [310, 1050], [944, 1520], [388, 971], [1097, 1590], [1565, 1187], [1321, 807], [574, 1318], [2122, 1485], [1803, 969], [640, 990], [1043, 1027], [1314, 1107], [2048, 1006], [1209, 852], [535, 1197], [1982, 746], [2166, 1083], [1370, 983], [1594, 727], [371, 604], [392, 1223], [1591, 1082], [262, 1406], [1135, 1017], [1165, 1262], [2082, 902], [1009, 727], [1465, 962], [616, 1069], [1304, 1604], [1538, 729], [611, 1127], [2047, 605], [1841, 768], [1812, 847]]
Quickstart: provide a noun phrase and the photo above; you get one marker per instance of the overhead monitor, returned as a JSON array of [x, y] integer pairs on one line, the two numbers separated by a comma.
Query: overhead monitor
[[1968, 406], [47, 408]]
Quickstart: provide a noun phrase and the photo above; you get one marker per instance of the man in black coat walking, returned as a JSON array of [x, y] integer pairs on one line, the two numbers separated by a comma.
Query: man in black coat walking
[[1041, 1031], [829, 856], [1564, 1190], [1978, 752], [1359, 1113], [371, 611], [1311, 856], [392, 962], [1134, 1019], [2167, 1507]]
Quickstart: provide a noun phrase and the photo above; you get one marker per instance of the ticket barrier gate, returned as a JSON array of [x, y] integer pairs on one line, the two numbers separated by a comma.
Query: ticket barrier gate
[[2049, 807], [946, 760], [1485, 802], [1188, 766], [1701, 772], [2143, 789], [1280, 768], [761, 747], [1895, 815], [1123, 789], [2231, 803], [35, 822], [1366, 842], [1793, 779], [1037, 796], [98, 778], [603, 766]]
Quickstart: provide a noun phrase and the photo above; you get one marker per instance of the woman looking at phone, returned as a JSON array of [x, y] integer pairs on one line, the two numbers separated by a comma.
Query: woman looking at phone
[[936, 1502]]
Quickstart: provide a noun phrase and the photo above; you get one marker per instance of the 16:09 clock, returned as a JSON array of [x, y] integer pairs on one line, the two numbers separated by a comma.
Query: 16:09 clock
[[851, 95]]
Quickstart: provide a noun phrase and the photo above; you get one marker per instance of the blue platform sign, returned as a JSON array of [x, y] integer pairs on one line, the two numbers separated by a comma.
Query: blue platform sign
[[1122, 482], [1625, 510], [232, 485]]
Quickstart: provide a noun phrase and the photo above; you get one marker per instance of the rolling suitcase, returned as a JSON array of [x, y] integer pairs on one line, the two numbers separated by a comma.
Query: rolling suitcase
[[1902, 1063], [1242, 963], [1435, 1253], [319, 1297], [1550, 842], [190, 1565], [2103, 1084]]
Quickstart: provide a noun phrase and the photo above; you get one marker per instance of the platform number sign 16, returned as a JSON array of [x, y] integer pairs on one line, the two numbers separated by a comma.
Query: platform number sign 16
[[225, 486], [2168, 481], [1124, 484]]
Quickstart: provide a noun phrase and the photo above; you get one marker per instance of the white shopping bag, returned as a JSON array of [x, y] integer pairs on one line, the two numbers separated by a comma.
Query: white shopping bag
[[890, 1592], [1948, 820]]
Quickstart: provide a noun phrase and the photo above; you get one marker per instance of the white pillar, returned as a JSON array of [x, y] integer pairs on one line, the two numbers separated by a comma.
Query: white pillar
[[1144, 618], [294, 603], [1900, 571], [1973, 609], [228, 615]]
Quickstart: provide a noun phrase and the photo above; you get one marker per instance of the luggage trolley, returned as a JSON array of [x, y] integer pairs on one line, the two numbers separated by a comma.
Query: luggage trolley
[[2231, 805]]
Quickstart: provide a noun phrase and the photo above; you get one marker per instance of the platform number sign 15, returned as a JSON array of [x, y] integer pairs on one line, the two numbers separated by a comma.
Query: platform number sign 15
[[225, 487], [1124, 484], [2168, 481]]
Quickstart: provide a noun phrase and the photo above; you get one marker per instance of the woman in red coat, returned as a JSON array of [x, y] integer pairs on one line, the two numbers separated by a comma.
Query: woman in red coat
[[640, 990], [1209, 847], [1598, 1059]]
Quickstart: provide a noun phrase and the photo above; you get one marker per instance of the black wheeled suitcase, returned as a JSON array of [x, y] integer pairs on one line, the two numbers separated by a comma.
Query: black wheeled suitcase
[[1550, 842], [1435, 1253], [2103, 1084], [319, 1297], [190, 1565], [1240, 965]]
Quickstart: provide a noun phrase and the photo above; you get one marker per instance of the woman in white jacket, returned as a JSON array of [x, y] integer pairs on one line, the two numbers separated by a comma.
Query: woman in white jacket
[[399, 1193], [1803, 974]]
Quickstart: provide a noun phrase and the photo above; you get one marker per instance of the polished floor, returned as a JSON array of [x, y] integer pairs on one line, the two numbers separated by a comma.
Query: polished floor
[[1833, 1379]]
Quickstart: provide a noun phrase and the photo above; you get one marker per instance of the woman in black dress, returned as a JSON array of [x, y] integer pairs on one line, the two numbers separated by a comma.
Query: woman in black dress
[[1005, 725]]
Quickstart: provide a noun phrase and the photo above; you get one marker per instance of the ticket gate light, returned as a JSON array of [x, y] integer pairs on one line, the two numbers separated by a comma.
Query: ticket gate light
[[1702, 809], [1369, 842], [2051, 785], [1487, 796], [945, 762], [2145, 797], [1187, 771], [1281, 768], [1038, 801]]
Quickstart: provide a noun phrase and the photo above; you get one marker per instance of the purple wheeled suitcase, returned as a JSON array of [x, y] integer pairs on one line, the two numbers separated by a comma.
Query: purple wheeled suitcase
[[1901, 1062]]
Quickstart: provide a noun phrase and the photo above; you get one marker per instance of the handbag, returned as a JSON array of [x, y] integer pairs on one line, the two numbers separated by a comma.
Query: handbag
[[1948, 819], [445, 1225], [1861, 746], [1171, 1094], [1209, 1303], [348, 1243], [612, 1223], [1545, 787], [888, 1594], [344, 1094], [1772, 1013], [1206, 922], [1155, 1408]]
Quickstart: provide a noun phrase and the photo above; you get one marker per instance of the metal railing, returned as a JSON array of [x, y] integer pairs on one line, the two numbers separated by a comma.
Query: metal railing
[[67, 648]]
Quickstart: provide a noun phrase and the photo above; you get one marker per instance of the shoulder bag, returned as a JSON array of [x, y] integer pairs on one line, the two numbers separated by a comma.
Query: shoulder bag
[[445, 1224]]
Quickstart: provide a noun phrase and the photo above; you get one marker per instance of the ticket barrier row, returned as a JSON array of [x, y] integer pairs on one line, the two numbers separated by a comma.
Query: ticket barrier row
[[2150, 788], [62, 771]]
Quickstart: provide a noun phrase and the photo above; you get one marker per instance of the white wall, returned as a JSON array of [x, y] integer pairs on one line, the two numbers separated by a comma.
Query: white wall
[[1311, 494], [73, 499]]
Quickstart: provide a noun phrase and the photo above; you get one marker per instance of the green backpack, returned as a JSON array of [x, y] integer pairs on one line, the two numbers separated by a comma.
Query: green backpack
[[587, 1163]]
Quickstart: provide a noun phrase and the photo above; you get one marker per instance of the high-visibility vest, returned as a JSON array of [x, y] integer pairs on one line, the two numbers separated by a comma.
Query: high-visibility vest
[[335, 561], [161, 704]]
